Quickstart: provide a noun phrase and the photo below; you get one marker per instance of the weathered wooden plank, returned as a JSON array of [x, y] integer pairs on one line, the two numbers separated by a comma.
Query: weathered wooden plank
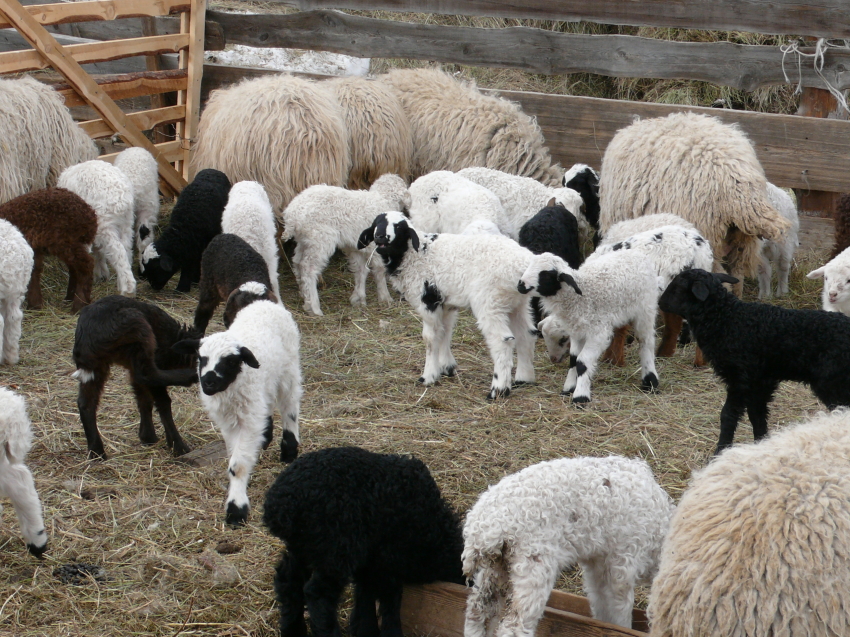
[[193, 61], [821, 18], [816, 233], [740, 66], [145, 120], [132, 28], [128, 85], [59, 13], [560, 600], [17, 61], [172, 151], [214, 453]]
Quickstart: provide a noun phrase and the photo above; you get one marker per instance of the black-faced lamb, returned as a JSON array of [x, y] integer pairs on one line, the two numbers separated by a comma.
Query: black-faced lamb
[[350, 515], [228, 263], [585, 181], [441, 273], [16, 481], [758, 545], [754, 346], [607, 515], [245, 374], [57, 222], [138, 336], [195, 220], [16, 261]]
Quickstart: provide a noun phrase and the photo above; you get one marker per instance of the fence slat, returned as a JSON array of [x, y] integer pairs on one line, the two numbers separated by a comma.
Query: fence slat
[[59, 13], [129, 85], [170, 151], [144, 120]]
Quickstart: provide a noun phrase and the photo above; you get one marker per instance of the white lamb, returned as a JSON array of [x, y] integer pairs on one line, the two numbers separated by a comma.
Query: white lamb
[[625, 229], [441, 273], [16, 262], [16, 481], [608, 515], [780, 253], [249, 215], [110, 192], [324, 218], [141, 168], [443, 201], [524, 197], [605, 293], [836, 283], [245, 374]]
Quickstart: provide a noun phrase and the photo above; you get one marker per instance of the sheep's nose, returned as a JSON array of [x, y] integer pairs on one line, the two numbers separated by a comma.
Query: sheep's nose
[[522, 288], [833, 297], [381, 239]]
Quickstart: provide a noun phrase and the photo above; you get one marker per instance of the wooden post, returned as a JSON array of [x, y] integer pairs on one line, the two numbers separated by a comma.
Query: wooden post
[[193, 61]]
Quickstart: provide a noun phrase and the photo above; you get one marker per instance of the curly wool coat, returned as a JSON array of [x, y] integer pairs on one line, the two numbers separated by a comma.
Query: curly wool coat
[[347, 514]]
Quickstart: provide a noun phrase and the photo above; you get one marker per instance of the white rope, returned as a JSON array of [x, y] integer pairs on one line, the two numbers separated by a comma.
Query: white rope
[[821, 48]]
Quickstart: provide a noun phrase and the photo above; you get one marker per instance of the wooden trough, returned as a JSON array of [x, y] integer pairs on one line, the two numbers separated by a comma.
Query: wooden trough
[[437, 610]]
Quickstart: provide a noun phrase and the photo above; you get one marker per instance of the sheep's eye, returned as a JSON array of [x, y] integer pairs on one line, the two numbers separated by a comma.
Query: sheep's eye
[[562, 341]]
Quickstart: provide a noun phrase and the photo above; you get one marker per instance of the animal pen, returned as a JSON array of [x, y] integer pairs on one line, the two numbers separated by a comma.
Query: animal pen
[[804, 153]]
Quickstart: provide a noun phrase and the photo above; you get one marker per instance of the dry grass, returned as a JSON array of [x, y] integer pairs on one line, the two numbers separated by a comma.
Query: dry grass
[[154, 524]]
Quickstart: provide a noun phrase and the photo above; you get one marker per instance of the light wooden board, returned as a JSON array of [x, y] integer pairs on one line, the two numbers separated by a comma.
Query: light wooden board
[[125, 85], [145, 120], [57, 13], [816, 233]]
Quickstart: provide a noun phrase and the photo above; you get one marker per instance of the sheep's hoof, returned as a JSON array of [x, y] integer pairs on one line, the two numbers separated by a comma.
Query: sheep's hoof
[[180, 448], [649, 383], [236, 515], [520, 383], [567, 392], [495, 393], [449, 370], [580, 401], [38, 551], [422, 381], [149, 438], [288, 447], [95, 454]]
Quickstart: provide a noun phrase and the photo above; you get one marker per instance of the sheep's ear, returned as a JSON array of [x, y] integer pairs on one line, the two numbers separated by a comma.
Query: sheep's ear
[[700, 290], [817, 274], [248, 357], [187, 346], [166, 263], [563, 277], [366, 237], [725, 278], [414, 238], [551, 203]]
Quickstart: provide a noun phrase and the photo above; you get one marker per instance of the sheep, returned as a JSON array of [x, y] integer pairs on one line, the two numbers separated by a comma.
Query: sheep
[[758, 545], [443, 201], [754, 346], [16, 262], [379, 132], [249, 214], [141, 169], [16, 481], [324, 218], [699, 168], [116, 330], [842, 226], [835, 296], [779, 252], [195, 220], [228, 263], [441, 273], [585, 181], [622, 230], [110, 192], [282, 131], [608, 515], [41, 138], [481, 226], [58, 222], [245, 372], [523, 197], [455, 126], [383, 542], [604, 293]]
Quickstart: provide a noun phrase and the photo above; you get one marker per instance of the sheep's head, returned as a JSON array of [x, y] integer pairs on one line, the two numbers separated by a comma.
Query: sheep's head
[[836, 281], [585, 181], [690, 289], [243, 296], [556, 338], [156, 268], [544, 276], [391, 232], [394, 190], [220, 360]]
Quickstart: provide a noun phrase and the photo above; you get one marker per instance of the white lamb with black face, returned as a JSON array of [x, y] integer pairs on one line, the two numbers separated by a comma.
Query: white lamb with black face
[[246, 373]]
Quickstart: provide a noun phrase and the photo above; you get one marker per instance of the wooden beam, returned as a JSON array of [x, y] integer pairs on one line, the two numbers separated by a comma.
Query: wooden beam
[[59, 13], [17, 61], [144, 120], [127, 85], [133, 28], [193, 62], [46, 44], [744, 67], [170, 150], [820, 18]]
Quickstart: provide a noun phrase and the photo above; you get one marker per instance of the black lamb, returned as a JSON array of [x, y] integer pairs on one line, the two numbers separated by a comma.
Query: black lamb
[[230, 266], [754, 346], [138, 336], [195, 220], [346, 514]]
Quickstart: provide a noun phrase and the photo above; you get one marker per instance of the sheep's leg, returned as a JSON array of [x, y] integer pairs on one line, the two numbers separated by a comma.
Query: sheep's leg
[[576, 345], [380, 275], [289, 405], [34, 299], [731, 413], [101, 271], [586, 363], [88, 398], [184, 283], [765, 276], [163, 407], [758, 399], [484, 604], [18, 486], [244, 442], [208, 300], [268, 434], [13, 317], [357, 265], [616, 352], [72, 284], [433, 333], [500, 342], [312, 262], [784, 269], [531, 581], [3, 337], [670, 335], [525, 341], [644, 327], [144, 402], [364, 620], [289, 581], [81, 264], [611, 594], [445, 358], [390, 608], [322, 596]]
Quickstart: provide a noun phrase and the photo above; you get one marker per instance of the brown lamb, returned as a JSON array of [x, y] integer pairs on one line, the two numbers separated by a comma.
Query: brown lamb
[[842, 226], [57, 222]]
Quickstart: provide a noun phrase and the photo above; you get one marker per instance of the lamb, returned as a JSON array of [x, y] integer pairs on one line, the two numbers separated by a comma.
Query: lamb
[[141, 169], [699, 168], [110, 192], [228, 263], [248, 214], [324, 218], [244, 374], [58, 222], [443, 201], [523, 197], [608, 515], [754, 346], [605, 293], [779, 252], [585, 181], [622, 230], [195, 220], [16, 261], [16, 481], [758, 544], [441, 273], [282, 131], [138, 336], [836, 283], [842, 226], [386, 544], [455, 126]]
